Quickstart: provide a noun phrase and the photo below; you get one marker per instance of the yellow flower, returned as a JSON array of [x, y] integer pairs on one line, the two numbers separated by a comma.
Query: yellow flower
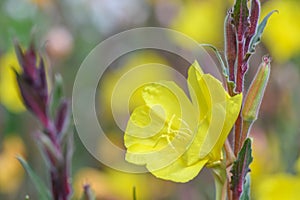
[[201, 20], [297, 166], [113, 184], [278, 187], [175, 137], [282, 32], [11, 173], [9, 92], [112, 78]]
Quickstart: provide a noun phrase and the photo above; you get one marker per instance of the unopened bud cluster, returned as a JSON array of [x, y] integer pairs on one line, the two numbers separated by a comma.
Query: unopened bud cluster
[[32, 82]]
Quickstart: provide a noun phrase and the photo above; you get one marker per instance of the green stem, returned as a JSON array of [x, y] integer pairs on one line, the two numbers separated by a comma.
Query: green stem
[[219, 173]]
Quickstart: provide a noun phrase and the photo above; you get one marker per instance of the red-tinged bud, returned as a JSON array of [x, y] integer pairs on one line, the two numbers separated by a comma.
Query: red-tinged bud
[[230, 45], [43, 87], [254, 16], [53, 153], [27, 61], [240, 18], [256, 91], [33, 100], [62, 117], [33, 84]]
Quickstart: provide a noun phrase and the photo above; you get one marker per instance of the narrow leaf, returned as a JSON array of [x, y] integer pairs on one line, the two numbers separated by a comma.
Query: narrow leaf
[[219, 57], [230, 83], [240, 168], [43, 192], [257, 37]]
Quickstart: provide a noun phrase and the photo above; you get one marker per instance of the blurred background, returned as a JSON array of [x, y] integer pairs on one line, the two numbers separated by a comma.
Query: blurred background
[[67, 30]]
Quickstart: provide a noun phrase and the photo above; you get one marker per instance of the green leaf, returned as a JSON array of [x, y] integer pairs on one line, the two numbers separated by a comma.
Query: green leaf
[[57, 93], [240, 167], [246, 189], [43, 192], [257, 37]]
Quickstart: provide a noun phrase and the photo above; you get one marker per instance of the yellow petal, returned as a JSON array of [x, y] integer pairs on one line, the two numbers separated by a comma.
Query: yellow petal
[[233, 105], [197, 91], [217, 111], [175, 137], [179, 171], [160, 131]]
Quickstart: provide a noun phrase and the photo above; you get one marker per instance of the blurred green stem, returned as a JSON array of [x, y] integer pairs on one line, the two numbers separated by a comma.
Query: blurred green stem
[[220, 178]]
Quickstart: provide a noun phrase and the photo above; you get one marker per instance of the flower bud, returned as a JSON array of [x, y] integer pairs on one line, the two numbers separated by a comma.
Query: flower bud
[[256, 91], [62, 117], [33, 83], [240, 18], [53, 154], [230, 45], [254, 16]]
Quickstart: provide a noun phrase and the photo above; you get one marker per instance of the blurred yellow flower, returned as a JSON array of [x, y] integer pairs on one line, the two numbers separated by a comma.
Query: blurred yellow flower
[[266, 152], [11, 173], [9, 92], [201, 20], [112, 184], [267, 182], [119, 93], [278, 187], [297, 166], [175, 137], [282, 32]]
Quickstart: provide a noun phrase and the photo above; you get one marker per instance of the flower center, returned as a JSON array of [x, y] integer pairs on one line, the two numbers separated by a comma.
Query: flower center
[[181, 133]]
